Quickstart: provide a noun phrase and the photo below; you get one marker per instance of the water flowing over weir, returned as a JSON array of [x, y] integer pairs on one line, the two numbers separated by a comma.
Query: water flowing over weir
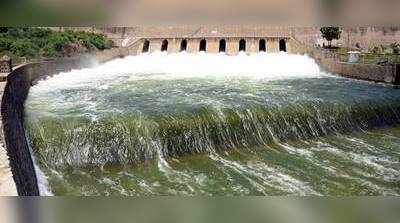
[[214, 124]]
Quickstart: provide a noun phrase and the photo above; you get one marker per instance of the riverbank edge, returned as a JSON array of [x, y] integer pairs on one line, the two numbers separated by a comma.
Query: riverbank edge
[[15, 93]]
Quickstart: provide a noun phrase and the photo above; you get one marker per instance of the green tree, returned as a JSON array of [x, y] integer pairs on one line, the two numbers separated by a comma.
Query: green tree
[[5, 43], [24, 48], [3, 29], [330, 33]]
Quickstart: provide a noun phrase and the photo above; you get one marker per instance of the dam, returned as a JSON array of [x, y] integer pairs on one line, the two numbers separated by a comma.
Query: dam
[[220, 39], [203, 113]]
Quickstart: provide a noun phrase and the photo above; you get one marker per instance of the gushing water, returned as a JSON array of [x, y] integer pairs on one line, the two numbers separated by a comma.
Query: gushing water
[[163, 66], [214, 124]]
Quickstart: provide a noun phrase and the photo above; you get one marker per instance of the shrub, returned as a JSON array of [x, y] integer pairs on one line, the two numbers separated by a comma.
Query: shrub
[[99, 41], [87, 43], [50, 51], [39, 33], [17, 32], [24, 47], [3, 29], [58, 41], [5, 43]]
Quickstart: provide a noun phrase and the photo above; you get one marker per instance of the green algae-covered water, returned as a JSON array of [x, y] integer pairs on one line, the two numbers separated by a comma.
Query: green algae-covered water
[[211, 124]]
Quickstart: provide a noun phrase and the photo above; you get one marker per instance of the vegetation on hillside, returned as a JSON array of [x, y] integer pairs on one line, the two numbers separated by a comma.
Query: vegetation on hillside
[[47, 43]]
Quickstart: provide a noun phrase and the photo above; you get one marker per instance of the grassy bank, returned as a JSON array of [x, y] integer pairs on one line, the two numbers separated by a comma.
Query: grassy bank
[[42, 43]]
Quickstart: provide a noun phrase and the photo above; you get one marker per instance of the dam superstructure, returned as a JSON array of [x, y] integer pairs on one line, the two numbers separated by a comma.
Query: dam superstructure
[[219, 39]]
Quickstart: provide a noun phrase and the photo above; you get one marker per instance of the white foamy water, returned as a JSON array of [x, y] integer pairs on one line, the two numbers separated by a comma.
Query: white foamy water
[[162, 66]]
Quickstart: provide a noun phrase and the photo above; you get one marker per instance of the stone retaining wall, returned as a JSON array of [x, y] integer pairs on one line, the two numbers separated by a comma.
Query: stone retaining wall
[[377, 73], [389, 74], [16, 91]]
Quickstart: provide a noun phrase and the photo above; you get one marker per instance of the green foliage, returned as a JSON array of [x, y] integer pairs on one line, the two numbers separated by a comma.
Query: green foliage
[[3, 29], [39, 33], [58, 41], [43, 42], [99, 42], [5, 43], [23, 47], [330, 33], [93, 41], [16, 32], [50, 51]]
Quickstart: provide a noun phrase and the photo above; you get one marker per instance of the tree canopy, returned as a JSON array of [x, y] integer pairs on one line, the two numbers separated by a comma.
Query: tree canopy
[[330, 33]]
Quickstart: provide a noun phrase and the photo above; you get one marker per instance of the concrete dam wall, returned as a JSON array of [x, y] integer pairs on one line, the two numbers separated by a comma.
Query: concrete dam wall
[[228, 45]]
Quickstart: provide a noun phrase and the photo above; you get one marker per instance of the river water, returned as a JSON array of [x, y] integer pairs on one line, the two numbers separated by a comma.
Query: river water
[[211, 124]]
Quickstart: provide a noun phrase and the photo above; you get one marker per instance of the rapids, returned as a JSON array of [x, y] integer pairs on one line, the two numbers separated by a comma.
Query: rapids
[[213, 124]]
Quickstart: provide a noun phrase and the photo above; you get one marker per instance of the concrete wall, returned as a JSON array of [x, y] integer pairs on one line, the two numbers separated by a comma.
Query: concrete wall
[[16, 91], [365, 37], [370, 72], [193, 44]]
